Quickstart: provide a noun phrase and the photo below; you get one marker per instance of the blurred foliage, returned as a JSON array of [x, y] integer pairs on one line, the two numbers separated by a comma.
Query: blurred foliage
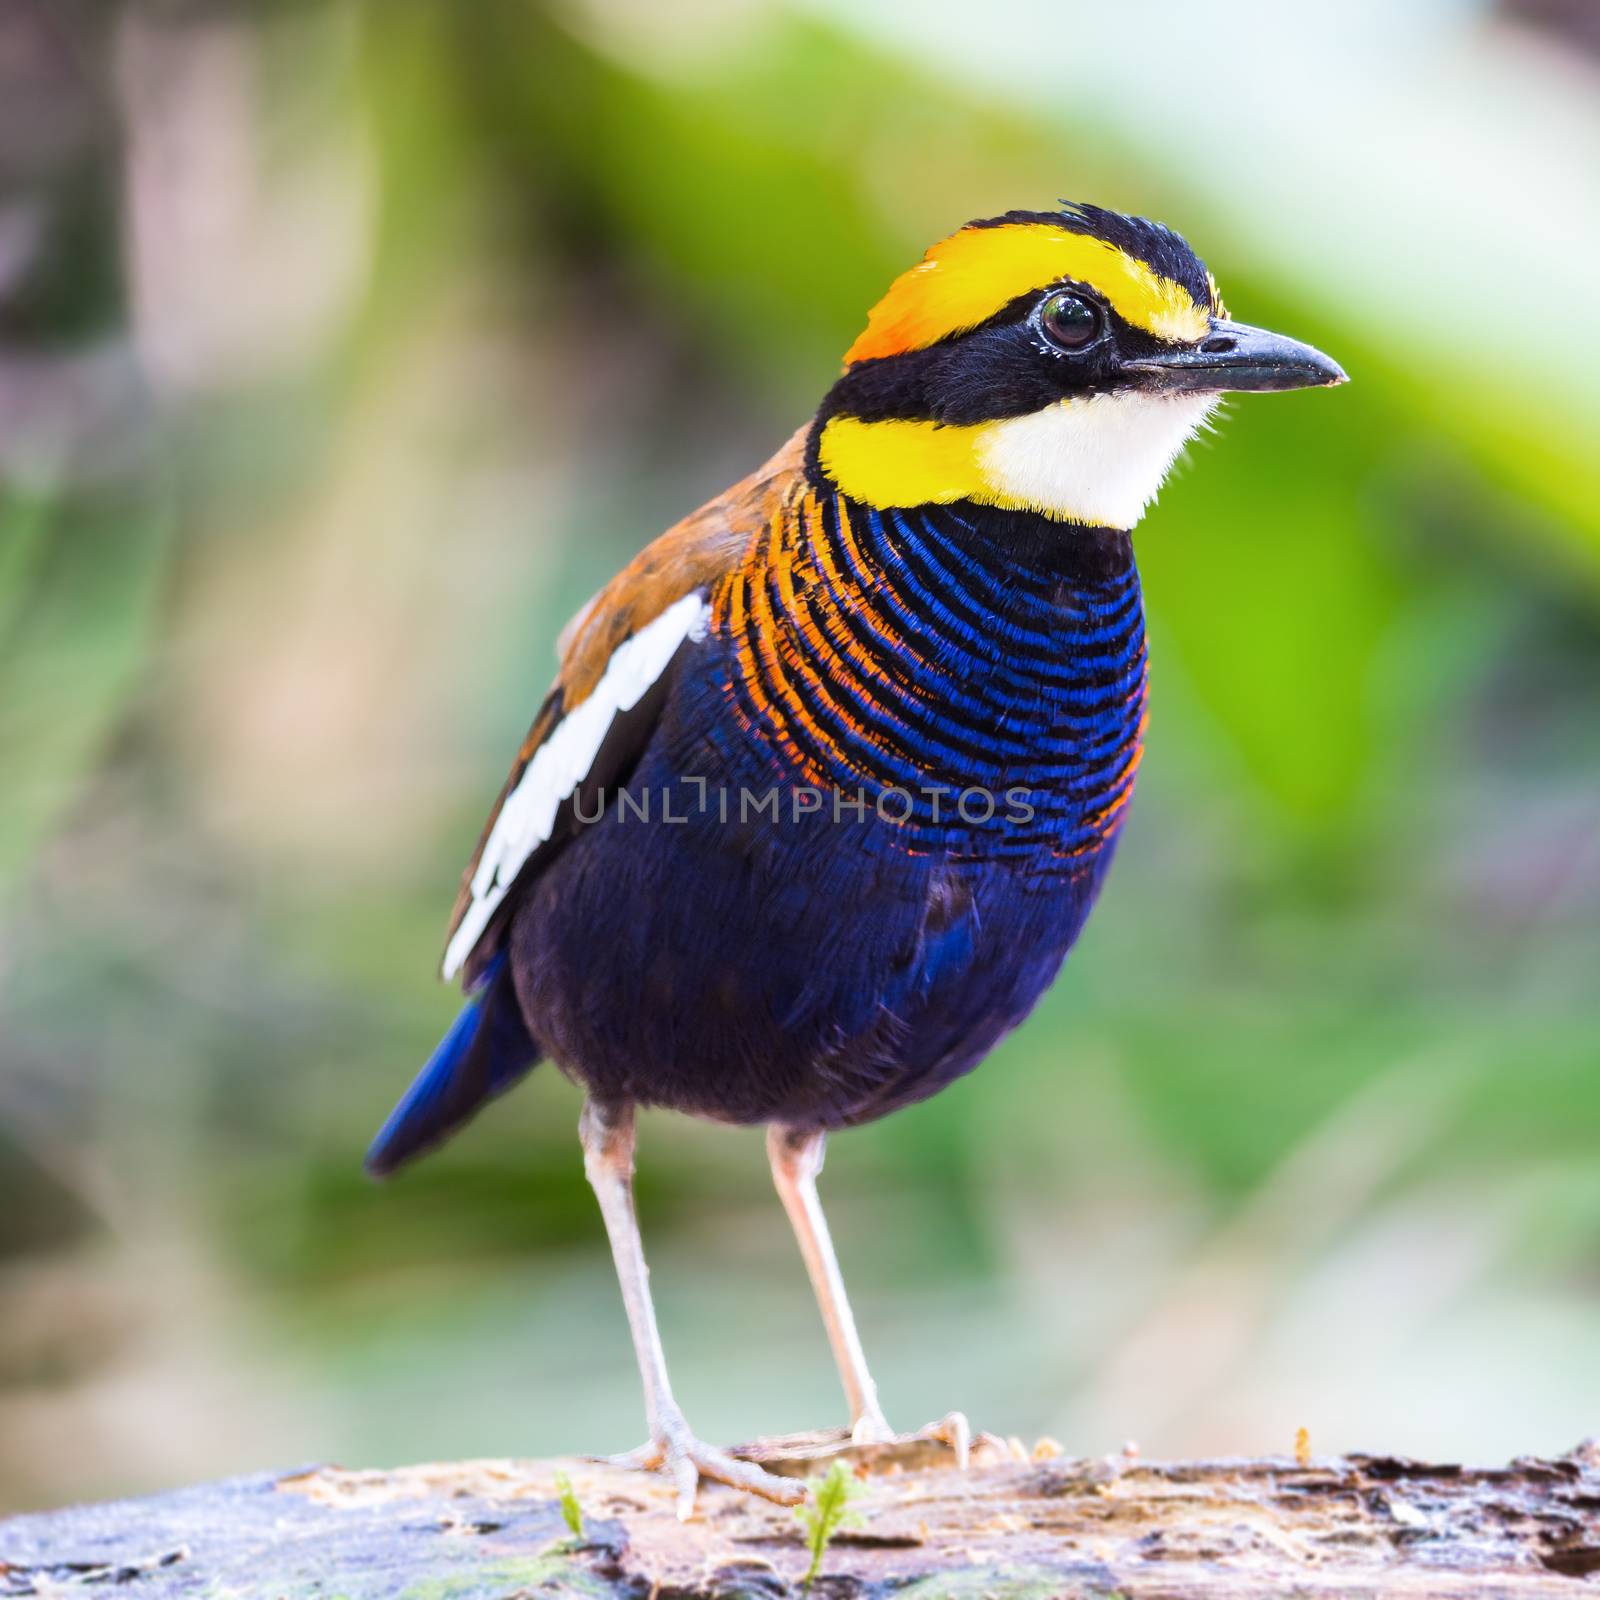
[[344, 350]]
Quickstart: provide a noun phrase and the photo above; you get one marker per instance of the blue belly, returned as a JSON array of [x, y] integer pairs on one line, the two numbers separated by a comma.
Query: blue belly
[[691, 950]]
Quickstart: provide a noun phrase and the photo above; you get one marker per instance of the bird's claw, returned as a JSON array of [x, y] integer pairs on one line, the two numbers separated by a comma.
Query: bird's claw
[[952, 1429], [685, 1459]]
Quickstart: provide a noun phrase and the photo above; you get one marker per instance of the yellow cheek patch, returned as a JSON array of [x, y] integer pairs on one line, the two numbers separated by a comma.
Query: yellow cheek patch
[[901, 463], [965, 279]]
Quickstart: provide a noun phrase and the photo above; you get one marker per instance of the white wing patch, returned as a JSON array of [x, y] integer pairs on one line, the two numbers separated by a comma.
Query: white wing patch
[[564, 760]]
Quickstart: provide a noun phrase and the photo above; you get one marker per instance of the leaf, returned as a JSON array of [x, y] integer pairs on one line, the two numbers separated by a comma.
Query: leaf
[[826, 1512]]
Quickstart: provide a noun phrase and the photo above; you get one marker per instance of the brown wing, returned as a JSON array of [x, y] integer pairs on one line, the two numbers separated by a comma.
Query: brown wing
[[688, 559]]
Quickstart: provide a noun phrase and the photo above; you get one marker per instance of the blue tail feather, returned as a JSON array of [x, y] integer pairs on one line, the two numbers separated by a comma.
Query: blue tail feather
[[487, 1050]]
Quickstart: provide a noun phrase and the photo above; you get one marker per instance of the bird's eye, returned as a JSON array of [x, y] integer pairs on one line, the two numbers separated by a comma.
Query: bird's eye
[[1069, 321]]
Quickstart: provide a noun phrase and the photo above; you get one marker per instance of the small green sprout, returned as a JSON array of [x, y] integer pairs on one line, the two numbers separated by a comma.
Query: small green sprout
[[570, 1509], [825, 1513]]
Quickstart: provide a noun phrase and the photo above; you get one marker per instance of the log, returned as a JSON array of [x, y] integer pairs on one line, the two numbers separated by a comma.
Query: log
[[1015, 1526]]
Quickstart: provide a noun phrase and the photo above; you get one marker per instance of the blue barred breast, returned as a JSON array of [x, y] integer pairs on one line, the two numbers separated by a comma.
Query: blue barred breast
[[942, 650]]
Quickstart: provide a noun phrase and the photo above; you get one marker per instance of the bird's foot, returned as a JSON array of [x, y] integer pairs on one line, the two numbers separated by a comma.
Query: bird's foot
[[674, 1450], [952, 1429], [872, 1427]]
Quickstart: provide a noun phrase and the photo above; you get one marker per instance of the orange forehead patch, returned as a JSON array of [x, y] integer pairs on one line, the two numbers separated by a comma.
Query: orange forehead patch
[[965, 279]]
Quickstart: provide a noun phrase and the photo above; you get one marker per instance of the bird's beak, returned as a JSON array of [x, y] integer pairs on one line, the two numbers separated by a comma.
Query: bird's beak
[[1235, 356]]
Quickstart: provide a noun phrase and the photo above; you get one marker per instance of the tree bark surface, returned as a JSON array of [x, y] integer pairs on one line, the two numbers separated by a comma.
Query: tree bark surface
[[1010, 1528]]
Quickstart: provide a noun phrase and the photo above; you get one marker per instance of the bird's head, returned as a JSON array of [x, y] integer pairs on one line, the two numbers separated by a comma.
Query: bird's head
[[1048, 361]]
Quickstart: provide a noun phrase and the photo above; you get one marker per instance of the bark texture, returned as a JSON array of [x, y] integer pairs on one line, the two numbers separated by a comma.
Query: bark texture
[[1008, 1529]]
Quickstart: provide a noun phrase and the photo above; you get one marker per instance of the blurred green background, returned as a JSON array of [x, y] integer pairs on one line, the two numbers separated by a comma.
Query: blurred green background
[[346, 347]]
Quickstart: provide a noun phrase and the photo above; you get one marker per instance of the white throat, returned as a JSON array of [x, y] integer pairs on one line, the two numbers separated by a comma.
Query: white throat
[[1098, 460]]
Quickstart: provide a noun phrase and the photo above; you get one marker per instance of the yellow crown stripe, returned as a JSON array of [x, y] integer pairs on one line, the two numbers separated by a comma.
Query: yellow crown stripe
[[965, 279]]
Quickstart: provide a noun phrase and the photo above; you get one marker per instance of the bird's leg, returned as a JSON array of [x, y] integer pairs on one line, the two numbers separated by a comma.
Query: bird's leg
[[796, 1160], [607, 1136]]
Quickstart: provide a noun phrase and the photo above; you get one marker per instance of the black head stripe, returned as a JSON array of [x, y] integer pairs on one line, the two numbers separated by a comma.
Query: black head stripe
[[997, 370]]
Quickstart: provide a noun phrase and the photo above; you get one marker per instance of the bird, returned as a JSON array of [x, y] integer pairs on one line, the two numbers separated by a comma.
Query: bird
[[831, 773]]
